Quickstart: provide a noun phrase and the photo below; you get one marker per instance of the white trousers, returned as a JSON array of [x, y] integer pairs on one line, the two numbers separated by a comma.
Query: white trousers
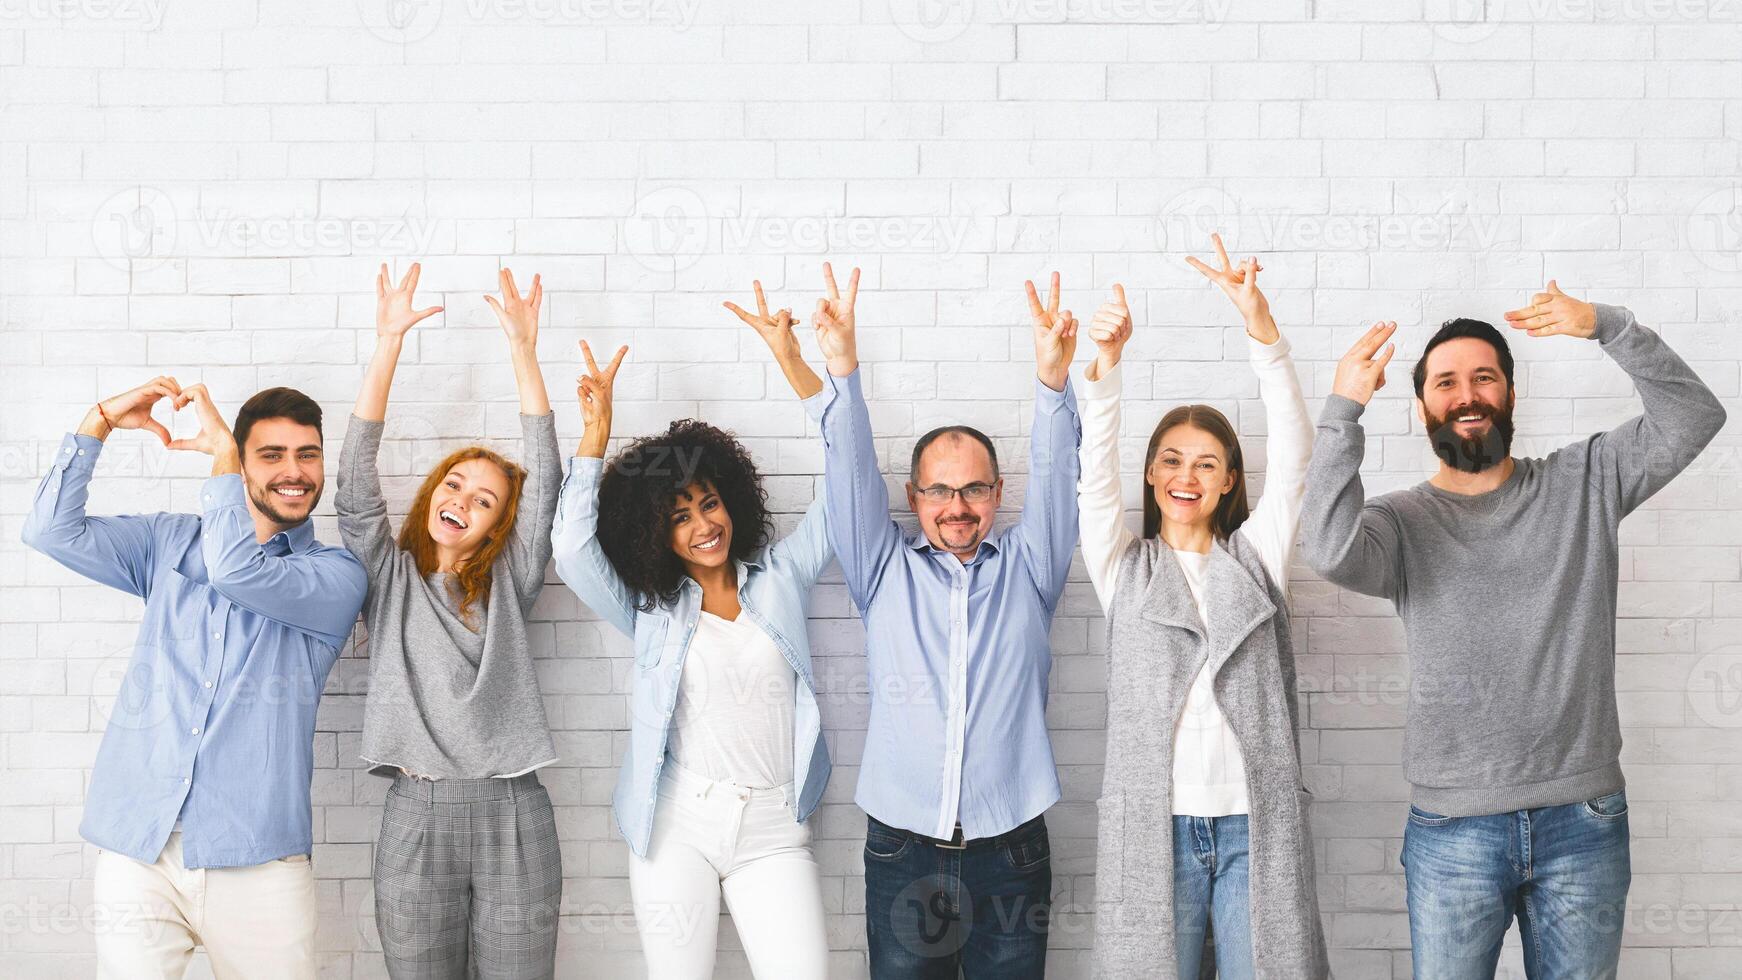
[[256, 923], [713, 838]]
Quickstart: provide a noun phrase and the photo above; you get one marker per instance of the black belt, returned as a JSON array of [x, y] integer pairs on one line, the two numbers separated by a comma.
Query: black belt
[[956, 843]]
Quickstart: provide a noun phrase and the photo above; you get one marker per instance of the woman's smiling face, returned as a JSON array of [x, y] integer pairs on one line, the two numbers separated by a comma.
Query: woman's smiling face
[[466, 505], [700, 527]]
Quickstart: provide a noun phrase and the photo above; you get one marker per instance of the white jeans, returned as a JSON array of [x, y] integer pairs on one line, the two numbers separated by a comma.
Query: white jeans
[[713, 837], [255, 922]]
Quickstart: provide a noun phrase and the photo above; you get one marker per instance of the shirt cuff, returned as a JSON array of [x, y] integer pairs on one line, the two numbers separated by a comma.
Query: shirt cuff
[[1050, 401], [583, 467], [1611, 321], [1262, 352], [1340, 408], [222, 491], [817, 404], [1108, 386], [78, 451]]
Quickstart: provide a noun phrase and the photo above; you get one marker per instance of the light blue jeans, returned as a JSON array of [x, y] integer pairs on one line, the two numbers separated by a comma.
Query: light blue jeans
[[1210, 892], [1562, 870]]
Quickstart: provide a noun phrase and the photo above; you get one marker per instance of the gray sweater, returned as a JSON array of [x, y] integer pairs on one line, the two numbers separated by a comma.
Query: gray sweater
[[1508, 597], [444, 700]]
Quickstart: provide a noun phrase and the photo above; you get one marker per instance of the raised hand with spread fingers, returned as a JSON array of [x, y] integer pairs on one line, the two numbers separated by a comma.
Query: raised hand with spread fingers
[[519, 319], [394, 318]]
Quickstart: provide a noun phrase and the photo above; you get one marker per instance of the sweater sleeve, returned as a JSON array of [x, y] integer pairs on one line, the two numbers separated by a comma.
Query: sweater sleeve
[[1681, 415], [1352, 542], [1274, 522], [1099, 504], [361, 509], [529, 550]]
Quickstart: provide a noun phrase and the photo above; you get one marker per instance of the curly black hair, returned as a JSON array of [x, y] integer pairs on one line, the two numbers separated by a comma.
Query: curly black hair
[[641, 484]]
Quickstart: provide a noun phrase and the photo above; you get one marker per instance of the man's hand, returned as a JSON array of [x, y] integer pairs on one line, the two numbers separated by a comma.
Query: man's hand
[[132, 410], [1360, 373], [1055, 337], [1554, 312], [1240, 284], [393, 313], [214, 438], [1110, 329], [833, 320]]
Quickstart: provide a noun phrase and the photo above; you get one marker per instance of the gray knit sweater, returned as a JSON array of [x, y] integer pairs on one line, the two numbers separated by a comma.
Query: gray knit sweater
[[1508, 597], [445, 700]]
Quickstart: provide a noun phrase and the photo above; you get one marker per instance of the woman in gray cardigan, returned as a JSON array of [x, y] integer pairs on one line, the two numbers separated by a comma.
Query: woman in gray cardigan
[[468, 875], [1203, 817]]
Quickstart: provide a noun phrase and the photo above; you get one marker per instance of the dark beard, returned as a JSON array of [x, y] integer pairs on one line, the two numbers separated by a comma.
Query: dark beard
[[264, 503], [1472, 454]]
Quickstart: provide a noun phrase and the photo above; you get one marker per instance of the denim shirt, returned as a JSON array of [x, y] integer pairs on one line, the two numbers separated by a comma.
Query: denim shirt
[[773, 591]]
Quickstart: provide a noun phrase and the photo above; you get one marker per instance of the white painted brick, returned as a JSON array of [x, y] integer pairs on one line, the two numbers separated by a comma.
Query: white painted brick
[[1384, 159]]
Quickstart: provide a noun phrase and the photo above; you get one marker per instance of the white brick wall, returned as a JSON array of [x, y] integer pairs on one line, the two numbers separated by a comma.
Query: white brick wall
[[204, 187]]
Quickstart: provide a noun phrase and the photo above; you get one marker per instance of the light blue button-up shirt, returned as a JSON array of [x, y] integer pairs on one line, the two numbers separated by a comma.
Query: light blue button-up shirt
[[773, 592], [214, 722], [958, 654]]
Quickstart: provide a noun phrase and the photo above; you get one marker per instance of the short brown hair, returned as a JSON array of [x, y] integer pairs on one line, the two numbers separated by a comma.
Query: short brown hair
[[275, 403]]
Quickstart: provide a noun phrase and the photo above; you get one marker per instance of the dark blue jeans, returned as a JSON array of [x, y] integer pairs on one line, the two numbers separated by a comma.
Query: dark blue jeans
[[983, 910], [1563, 871]]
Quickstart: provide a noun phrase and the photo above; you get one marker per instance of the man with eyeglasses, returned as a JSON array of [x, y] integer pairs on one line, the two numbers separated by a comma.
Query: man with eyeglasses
[[957, 768]]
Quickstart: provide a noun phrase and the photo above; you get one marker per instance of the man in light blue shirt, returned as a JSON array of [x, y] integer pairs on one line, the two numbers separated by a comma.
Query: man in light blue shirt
[[958, 766], [199, 800]]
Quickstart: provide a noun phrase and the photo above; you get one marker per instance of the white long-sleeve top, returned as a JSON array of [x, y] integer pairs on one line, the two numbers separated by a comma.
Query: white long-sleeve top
[[1209, 772]]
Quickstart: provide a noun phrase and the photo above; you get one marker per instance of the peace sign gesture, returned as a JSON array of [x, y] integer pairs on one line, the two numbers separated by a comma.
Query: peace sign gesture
[[1555, 312], [1360, 373], [393, 312], [1240, 284], [1055, 336], [834, 323], [593, 390], [775, 331]]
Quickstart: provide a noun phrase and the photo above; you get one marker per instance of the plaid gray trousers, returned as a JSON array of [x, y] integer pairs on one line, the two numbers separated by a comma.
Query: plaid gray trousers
[[468, 879]]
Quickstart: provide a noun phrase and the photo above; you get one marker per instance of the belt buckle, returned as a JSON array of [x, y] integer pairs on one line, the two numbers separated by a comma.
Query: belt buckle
[[955, 843]]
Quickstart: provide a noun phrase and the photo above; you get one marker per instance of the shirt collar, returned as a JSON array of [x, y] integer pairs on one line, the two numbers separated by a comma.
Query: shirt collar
[[297, 539], [917, 541]]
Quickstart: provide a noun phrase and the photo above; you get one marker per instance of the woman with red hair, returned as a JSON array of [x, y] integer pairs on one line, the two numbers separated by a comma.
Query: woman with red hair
[[468, 876]]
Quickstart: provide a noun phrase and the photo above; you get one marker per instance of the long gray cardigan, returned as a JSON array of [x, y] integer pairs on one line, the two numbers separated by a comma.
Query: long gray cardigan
[[1156, 645]]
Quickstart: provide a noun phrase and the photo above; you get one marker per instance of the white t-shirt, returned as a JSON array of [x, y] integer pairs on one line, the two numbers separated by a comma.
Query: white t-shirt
[[733, 720], [1209, 770]]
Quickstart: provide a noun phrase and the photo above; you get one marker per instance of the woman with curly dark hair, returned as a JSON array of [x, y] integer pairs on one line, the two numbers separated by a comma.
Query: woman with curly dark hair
[[671, 542]]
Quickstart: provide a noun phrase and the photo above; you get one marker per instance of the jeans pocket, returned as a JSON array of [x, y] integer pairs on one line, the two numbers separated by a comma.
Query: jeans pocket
[[1611, 807], [1423, 818], [1029, 852], [883, 844]]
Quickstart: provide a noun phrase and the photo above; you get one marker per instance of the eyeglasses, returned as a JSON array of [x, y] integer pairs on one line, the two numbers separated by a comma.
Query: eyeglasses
[[973, 493]]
